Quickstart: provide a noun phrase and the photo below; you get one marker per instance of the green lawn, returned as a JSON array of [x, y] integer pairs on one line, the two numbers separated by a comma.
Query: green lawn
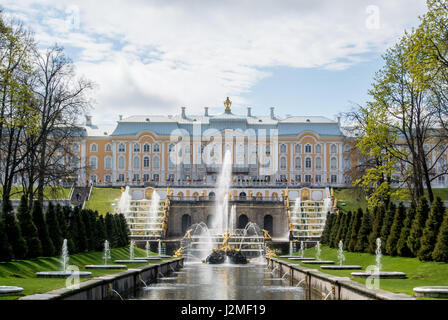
[[352, 199], [103, 200], [419, 273], [22, 272], [49, 192]]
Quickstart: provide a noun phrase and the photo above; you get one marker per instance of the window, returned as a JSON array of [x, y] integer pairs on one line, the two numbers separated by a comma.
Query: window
[[347, 148], [136, 177], [318, 148], [171, 147], [146, 162], [156, 162], [93, 147], [121, 162], [308, 163], [93, 178], [268, 150], [333, 149], [136, 163], [318, 163], [107, 178], [283, 148], [93, 163], [347, 164], [75, 162], [108, 163], [318, 178], [283, 163], [298, 178], [298, 163], [156, 148], [75, 147], [308, 148], [121, 147], [146, 147], [347, 179], [121, 177], [298, 148], [334, 163], [155, 178], [334, 178], [308, 178], [136, 147], [145, 177], [108, 147]]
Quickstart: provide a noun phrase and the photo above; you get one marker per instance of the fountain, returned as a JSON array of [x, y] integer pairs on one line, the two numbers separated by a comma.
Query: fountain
[[301, 254], [341, 259], [132, 259], [106, 257], [64, 273], [318, 261], [10, 291], [377, 273]]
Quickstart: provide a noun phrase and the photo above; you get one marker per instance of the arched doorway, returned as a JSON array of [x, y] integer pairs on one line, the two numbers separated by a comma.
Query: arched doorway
[[268, 224], [243, 195], [243, 220], [209, 221], [196, 196], [259, 196], [180, 195], [274, 196], [186, 223]]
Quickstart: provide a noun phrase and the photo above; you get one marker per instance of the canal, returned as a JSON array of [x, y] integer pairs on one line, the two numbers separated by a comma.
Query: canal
[[198, 281]]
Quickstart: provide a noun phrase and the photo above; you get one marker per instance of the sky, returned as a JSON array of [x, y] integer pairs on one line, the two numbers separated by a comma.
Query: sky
[[155, 56]]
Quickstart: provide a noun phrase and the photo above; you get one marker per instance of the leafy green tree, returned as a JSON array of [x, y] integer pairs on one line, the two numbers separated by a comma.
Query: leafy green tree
[[348, 233], [354, 230], [328, 225], [376, 227], [6, 253], [48, 249], [431, 230], [387, 223], [415, 235], [53, 227], [403, 249], [340, 230], [13, 232], [440, 252], [334, 229], [395, 231], [362, 242], [29, 230]]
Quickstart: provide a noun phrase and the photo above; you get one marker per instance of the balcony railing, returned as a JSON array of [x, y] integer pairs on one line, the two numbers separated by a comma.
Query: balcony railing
[[236, 199]]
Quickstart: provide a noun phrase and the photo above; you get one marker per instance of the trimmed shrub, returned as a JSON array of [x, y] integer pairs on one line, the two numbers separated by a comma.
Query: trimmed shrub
[[415, 235], [362, 242], [440, 252], [357, 218], [431, 230], [395, 230], [387, 223], [12, 228], [29, 230], [403, 249], [376, 228], [53, 227], [48, 249]]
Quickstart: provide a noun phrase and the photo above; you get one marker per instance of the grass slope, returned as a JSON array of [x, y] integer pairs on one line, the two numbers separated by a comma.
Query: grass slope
[[22, 273], [49, 192], [419, 273], [102, 200]]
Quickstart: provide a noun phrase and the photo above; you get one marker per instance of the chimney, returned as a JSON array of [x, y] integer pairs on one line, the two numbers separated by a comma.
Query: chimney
[[88, 120], [183, 113], [120, 116], [206, 111], [272, 113], [249, 111]]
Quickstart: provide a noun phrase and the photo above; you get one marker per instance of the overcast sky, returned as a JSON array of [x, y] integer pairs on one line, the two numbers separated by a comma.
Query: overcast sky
[[155, 56]]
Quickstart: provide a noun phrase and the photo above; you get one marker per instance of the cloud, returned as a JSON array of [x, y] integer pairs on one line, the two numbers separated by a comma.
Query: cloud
[[156, 56]]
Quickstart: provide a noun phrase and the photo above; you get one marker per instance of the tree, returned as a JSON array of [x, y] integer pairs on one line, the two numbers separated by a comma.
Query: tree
[[325, 238], [414, 240], [431, 230], [403, 249], [354, 230], [339, 232], [29, 230], [53, 227], [13, 232], [387, 223], [440, 252], [80, 237], [124, 229], [6, 253], [349, 230], [101, 233], [345, 228], [334, 229], [378, 214], [362, 242], [395, 230], [48, 249]]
